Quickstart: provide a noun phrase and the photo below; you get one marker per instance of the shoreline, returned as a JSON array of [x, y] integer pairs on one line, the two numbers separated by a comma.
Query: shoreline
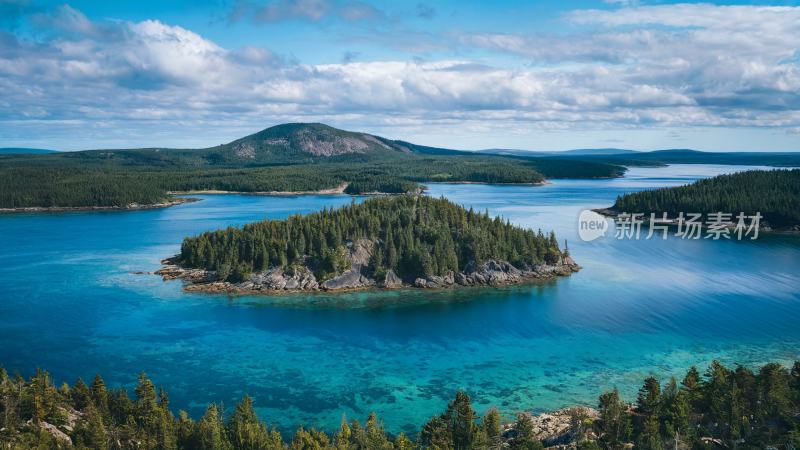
[[339, 190], [330, 191], [536, 183], [130, 207], [275, 281]]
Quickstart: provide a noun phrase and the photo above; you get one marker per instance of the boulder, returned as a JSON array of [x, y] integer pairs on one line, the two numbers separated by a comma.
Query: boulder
[[349, 279], [391, 280]]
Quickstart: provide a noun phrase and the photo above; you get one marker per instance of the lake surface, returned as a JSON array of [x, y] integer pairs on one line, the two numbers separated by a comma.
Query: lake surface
[[71, 304]]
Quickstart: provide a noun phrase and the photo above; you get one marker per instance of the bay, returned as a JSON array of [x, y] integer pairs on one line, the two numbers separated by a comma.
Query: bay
[[71, 304]]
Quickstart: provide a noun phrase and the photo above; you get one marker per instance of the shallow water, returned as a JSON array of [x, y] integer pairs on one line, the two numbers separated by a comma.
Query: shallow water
[[71, 304]]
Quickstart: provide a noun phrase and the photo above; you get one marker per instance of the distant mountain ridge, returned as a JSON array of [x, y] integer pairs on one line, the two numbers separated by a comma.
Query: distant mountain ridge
[[314, 143], [575, 152], [659, 157], [25, 151]]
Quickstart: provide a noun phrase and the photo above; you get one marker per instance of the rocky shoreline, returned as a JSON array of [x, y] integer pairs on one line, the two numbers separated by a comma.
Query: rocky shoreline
[[302, 279], [128, 207], [562, 429]]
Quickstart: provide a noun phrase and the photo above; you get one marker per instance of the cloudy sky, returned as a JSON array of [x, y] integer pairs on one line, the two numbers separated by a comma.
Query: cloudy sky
[[460, 74]]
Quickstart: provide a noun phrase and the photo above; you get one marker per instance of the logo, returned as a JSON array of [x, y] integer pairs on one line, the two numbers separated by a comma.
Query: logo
[[591, 225]]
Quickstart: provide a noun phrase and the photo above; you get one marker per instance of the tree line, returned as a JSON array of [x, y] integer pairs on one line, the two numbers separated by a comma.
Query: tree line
[[773, 193], [414, 236], [721, 409], [145, 176], [75, 181]]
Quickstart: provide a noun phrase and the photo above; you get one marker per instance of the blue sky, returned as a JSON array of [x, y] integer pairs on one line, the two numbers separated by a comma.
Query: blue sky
[[462, 74]]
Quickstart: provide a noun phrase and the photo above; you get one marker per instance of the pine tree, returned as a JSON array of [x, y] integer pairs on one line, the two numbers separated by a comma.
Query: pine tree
[[81, 396], [245, 430], [210, 432], [99, 395], [614, 426], [491, 423], [525, 439]]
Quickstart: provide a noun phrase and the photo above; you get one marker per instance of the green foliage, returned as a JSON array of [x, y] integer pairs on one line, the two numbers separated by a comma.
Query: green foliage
[[588, 445], [284, 158], [415, 236], [614, 427], [575, 168], [525, 438], [774, 193], [491, 423], [66, 186], [735, 407]]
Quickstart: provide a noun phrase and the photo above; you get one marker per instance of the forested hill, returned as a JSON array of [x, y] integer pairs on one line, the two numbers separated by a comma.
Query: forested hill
[[414, 236], [289, 157], [773, 193], [303, 142]]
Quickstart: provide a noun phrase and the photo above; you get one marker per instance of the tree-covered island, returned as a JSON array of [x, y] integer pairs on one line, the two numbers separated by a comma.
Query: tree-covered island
[[386, 242]]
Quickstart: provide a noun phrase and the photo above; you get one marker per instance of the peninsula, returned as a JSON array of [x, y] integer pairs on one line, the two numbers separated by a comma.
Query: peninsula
[[774, 194], [384, 242]]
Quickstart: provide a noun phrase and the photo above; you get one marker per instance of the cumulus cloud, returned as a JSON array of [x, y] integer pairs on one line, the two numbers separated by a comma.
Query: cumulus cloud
[[731, 58], [665, 66]]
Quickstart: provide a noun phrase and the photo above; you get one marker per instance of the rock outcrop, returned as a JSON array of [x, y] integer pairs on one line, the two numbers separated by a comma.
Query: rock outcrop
[[301, 278], [391, 280], [349, 279], [559, 429]]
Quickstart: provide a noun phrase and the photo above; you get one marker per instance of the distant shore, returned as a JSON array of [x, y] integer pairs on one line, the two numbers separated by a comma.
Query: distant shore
[[330, 191], [535, 183], [338, 190], [128, 207]]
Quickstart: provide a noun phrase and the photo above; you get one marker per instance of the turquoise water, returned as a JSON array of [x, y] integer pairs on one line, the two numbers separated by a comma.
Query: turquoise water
[[71, 304]]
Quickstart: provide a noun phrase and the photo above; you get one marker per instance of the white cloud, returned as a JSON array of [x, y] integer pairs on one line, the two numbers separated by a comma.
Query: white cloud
[[634, 67]]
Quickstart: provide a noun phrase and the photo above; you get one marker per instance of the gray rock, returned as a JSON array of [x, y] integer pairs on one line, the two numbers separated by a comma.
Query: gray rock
[[360, 252], [350, 279], [392, 280]]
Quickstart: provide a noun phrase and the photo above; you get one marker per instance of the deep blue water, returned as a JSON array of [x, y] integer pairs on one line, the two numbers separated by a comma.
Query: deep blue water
[[70, 304]]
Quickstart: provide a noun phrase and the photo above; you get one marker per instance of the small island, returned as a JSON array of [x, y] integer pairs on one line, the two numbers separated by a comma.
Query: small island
[[385, 242]]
